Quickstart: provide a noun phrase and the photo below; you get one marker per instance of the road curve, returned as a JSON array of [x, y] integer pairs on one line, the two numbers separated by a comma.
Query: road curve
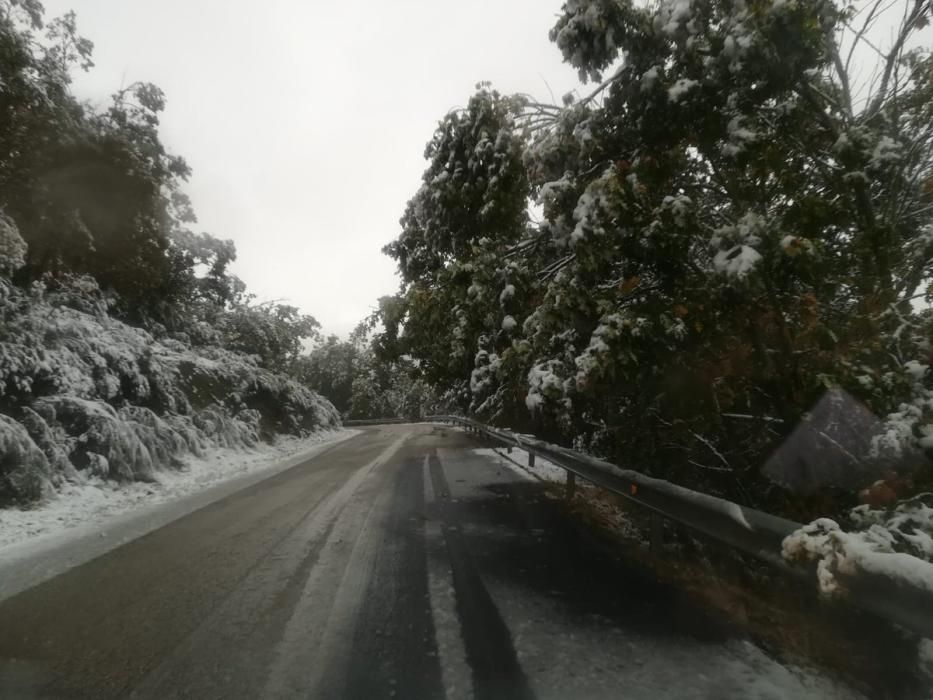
[[398, 564]]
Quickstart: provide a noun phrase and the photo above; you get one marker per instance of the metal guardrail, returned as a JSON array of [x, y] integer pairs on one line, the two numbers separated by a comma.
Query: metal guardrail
[[375, 421], [747, 530]]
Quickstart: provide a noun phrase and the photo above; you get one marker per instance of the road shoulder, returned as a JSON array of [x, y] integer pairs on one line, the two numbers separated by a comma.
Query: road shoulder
[[28, 563]]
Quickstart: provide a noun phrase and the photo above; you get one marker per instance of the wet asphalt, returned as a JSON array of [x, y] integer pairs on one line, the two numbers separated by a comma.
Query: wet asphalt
[[398, 564]]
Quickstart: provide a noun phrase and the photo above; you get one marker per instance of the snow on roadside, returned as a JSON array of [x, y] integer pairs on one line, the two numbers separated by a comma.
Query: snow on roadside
[[543, 470], [548, 472], [925, 657], [652, 665], [98, 500]]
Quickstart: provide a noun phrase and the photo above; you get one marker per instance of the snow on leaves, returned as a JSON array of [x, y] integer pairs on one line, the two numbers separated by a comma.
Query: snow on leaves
[[96, 397], [736, 245], [12, 247], [680, 88], [896, 543], [25, 469], [545, 384], [716, 239], [588, 34]]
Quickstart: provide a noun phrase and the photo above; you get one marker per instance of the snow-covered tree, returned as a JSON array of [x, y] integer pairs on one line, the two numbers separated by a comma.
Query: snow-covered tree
[[731, 226], [94, 232]]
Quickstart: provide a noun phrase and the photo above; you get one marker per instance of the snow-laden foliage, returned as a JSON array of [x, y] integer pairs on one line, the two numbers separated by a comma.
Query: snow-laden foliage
[[24, 471], [91, 395], [12, 247], [897, 543], [125, 342], [361, 385], [475, 182], [730, 229]]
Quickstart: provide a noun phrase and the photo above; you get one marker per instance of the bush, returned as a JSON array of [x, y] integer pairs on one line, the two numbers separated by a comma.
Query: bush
[[84, 393]]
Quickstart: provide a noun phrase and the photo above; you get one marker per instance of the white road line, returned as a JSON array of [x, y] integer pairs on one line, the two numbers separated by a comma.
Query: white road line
[[455, 671]]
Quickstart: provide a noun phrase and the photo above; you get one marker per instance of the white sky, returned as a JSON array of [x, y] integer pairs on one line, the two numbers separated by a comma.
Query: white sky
[[305, 121]]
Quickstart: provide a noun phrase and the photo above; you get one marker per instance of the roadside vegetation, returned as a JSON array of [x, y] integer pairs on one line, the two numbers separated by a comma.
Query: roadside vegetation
[[125, 342], [711, 264]]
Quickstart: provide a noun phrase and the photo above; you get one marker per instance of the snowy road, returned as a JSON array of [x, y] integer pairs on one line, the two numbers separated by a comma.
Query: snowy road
[[397, 564]]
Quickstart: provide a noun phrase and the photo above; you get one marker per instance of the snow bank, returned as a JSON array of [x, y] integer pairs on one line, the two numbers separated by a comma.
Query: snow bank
[[543, 470]]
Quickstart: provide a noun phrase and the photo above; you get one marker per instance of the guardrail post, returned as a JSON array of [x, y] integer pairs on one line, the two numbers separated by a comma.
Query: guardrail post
[[656, 537], [571, 485], [531, 459]]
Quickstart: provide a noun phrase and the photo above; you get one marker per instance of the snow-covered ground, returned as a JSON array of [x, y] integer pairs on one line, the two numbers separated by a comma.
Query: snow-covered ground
[[97, 500], [542, 470], [654, 665], [89, 519], [548, 472]]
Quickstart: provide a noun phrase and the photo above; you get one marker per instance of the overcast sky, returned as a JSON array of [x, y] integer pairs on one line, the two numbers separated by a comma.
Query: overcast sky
[[305, 121]]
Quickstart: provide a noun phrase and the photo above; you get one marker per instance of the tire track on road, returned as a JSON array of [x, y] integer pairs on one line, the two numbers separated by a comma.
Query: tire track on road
[[497, 673]]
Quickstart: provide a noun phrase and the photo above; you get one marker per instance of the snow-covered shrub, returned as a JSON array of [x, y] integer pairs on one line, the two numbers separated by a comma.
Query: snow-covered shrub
[[223, 429], [911, 426], [46, 440], [85, 394], [897, 543], [909, 525], [95, 428], [164, 442], [12, 247], [24, 471]]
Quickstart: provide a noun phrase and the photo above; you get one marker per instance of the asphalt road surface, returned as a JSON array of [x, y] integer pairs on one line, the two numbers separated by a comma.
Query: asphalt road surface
[[398, 564]]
